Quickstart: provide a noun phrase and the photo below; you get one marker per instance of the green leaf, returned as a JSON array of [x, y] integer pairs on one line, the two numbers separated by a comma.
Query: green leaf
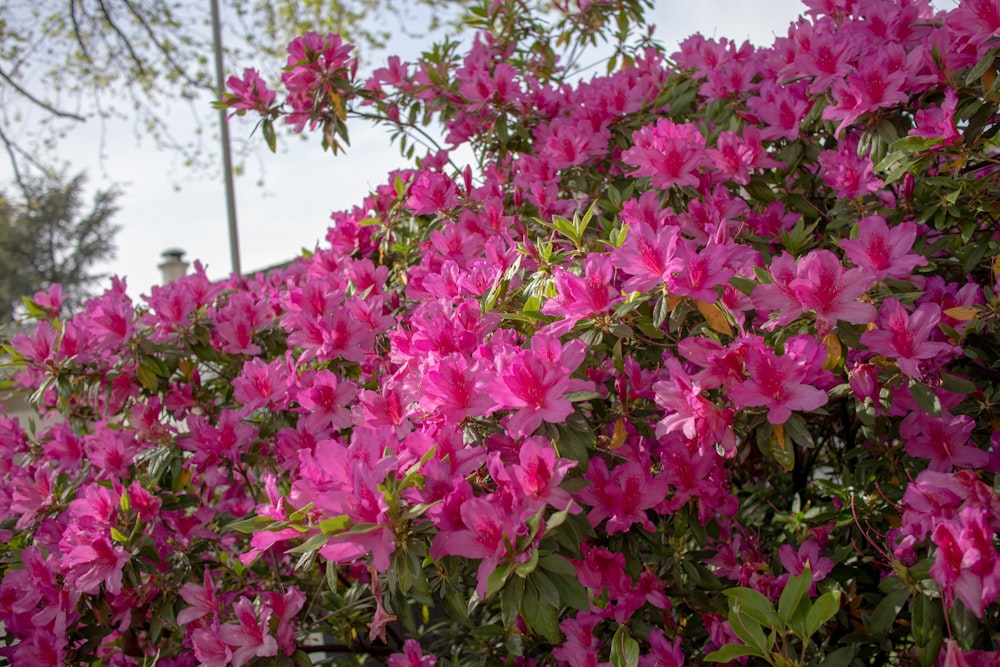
[[730, 652], [624, 649], [118, 536], [540, 616], [745, 285], [796, 589], [977, 72], [557, 565], [510, 602], [842, 657], [781, 447], [927, 620], [254, 524], [964, 624], [335, 524], [497, 579], [926, 398], [748, 630], [310, 545], [887, 610], [798, 430], [527, 567], [270, 138], [571, 591], [957, 385], [823, 609], [753, 604]]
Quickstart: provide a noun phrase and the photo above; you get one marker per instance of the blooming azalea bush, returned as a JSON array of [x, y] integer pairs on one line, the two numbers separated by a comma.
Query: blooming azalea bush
[[698, 363]]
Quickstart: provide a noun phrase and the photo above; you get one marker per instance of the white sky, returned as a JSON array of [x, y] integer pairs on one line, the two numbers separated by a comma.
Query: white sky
[[303, 184]]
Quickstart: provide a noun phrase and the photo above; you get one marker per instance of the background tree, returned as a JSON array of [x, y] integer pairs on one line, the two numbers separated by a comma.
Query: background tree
[[62, 63], [48, 238]]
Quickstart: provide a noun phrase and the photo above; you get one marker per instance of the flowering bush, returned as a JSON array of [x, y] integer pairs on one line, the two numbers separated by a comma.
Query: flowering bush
[[699, 363]]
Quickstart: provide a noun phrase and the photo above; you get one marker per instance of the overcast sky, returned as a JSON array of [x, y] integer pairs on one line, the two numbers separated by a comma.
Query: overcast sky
[[303, 185]]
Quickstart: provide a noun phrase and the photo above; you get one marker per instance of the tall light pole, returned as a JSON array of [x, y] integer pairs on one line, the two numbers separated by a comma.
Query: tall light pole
[[227, 157]]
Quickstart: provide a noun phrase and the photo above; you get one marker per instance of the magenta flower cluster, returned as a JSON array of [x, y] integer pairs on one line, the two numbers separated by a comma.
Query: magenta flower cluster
[[720, 322]]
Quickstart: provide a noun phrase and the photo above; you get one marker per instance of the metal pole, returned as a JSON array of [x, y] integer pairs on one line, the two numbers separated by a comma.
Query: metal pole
[[227, 158]]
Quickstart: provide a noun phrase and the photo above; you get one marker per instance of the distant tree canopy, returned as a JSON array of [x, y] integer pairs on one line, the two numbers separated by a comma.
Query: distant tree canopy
[[48, 237], [62, 63]]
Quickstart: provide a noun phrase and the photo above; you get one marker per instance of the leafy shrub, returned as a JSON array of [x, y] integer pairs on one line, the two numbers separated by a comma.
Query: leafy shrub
[[698, 364]]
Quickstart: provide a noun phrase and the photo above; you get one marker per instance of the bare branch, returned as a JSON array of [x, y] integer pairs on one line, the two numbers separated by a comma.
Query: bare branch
[[124, 39], [163, 50], [34, 100], [77, 32]]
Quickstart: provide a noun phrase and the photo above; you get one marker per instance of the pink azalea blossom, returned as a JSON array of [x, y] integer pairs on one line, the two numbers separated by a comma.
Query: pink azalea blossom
[[250, 636], [938, 122], [847, 173], [966, 563], [249, 93], [649, 256], [886, 252], [823, 286], [534, 383], [203, 600], [945, 440], [905, 337], [578, 297], [412, 656], [622, 495], [668, 153], [485, 534], [778, 383]]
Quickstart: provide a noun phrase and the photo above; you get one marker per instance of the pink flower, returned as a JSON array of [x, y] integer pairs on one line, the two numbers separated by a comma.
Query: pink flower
[[689, 413], [873, 84], [249, 93], [808, 554], [90, 560], [849, 174], [455, 389], [412, 656], [202, 599], [534, 383], [538, 474], [945, 440], [432, 193], [484, 536], [662, 653], [966, 564], [621, 496], [250, 635], [325, 402], [578, 297], [670, 154], [777, 383], [886, 252], [603, 569], [700, 272], [284, 607], [734, 155], [938, 122], [822, 285], [779, 296], [649, 256], [262, 384], [905, 337], [209, 647], [780, 108]]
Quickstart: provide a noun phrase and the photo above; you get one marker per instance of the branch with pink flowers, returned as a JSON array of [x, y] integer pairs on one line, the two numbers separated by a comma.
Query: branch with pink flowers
[[697, 363]]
